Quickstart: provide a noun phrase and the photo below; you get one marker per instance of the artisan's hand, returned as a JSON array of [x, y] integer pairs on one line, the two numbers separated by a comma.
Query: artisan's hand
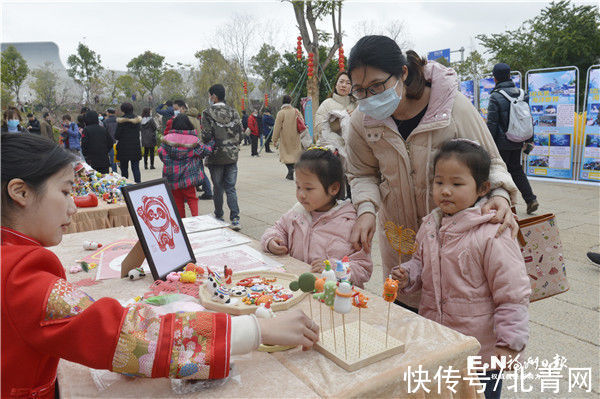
[[503, 215], [317, 266], [276, 247], [400, 274], [289, 328], [511, 355], [362, 232]]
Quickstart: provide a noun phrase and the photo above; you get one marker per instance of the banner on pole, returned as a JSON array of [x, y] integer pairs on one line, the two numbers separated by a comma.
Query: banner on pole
[[552, 99], [308, 114], [467, 88], [590, 161], [486, 85]]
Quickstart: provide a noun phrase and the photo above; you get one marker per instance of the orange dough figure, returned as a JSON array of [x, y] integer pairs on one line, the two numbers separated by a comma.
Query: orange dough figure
[[390, 289], [319, 285]]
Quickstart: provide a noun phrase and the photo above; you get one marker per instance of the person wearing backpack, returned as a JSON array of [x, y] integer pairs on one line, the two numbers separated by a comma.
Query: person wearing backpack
[[511, 141]]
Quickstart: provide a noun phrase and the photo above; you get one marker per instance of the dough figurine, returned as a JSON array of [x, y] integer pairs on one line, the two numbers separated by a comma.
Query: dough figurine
[[227, 273], [91, 245], [328, 274], [343, 298], [264, 311], [136, 274], [188, 277], [390, 289], [221, 295]]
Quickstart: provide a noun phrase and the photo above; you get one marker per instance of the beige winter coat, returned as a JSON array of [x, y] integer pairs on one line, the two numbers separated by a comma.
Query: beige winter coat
[[393, 178], [285, 135], [336, 102]]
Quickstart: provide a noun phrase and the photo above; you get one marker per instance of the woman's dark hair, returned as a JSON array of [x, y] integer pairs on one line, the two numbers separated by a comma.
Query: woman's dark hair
[[80, 121], [474, 156], [182, 122], [146, 112], [66, 117], [326, 165], [31, 158], [286, 99], [91, 118], [383, 53], [127, 108]]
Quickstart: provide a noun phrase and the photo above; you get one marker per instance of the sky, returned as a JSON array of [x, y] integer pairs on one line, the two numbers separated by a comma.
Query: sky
[[119, 31]]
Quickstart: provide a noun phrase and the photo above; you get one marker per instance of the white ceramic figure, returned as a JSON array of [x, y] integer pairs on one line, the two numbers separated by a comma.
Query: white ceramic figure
[[238, 290], [221, 295], [136, 274], [212, 284], [264, 311], [90, 245], [343, 298], [328, 274]]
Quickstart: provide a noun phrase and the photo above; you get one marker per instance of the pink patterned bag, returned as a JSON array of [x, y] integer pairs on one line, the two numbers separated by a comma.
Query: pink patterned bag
[[542, 251]]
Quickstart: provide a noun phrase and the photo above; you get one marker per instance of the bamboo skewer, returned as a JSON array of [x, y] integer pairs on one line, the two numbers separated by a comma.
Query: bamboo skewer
[[345, 347]]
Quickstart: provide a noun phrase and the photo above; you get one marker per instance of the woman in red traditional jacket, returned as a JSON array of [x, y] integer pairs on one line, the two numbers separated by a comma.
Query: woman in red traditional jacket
[[45, 318]]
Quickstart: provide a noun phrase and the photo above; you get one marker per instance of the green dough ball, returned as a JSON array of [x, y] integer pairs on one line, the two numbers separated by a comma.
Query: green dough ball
[[294, 286], [307, 282]]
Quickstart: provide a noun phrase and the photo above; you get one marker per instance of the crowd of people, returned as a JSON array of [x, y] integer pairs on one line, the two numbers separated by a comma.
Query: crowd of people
[[396, 133]]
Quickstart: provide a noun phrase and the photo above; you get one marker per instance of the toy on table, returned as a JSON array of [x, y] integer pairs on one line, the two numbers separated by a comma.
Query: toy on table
[[264, 311], [359, 301], [87, 201], [390, 291], [227, 273], [136, 274], [82, 265], [306, 283], [342, 269], [75, 269], [91, 245], [329, 299], [343, 304], [188, 277], [328, 274]]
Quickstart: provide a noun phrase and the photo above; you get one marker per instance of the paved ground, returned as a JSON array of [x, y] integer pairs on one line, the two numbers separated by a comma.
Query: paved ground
[[567, 324]]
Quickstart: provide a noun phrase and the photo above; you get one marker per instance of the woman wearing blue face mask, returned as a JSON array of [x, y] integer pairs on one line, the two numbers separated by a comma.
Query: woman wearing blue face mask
[[407, 107], [11, 121]]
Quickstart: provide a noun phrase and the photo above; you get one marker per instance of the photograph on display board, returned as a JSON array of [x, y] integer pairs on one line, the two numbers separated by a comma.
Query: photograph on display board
[[560, 140], [467, 88], [591, 164], [552, 101], [592, 140], [159, 227]]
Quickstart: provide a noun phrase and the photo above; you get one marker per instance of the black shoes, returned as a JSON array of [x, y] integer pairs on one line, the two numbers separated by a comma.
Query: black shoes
[[594, 257], [205, 197], [532, 207]]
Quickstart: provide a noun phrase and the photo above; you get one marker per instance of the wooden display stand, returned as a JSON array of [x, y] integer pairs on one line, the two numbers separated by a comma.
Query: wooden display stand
[[240, 308], [372, 350], [134, 259]]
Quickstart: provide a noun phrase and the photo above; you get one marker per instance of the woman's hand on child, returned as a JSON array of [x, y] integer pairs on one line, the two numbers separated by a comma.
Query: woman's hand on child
[[362, 232], [289, 328], [276, 247], [503, 215], [509, 354], [317, 266], [400, 274]]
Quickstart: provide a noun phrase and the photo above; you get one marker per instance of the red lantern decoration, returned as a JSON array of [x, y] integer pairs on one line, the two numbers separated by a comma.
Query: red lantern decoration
[[299, 49], [245, 88], [243, 105], [341, 59], [310, 65], [266, 100]]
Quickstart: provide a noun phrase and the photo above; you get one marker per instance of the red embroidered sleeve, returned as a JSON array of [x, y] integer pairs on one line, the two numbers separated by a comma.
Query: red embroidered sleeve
[[183, 345]]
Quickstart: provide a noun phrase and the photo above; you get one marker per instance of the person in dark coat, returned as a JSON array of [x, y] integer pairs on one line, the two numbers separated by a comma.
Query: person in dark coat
[[128, 142], [33, 125], [245, 126], [148, 137], [268, 122], [110, 123], [497, 122], [96, 143]]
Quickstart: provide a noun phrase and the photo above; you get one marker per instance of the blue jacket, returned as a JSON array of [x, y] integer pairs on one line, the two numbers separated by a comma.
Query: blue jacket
[[268, 123], [167, 112], [73, 136]]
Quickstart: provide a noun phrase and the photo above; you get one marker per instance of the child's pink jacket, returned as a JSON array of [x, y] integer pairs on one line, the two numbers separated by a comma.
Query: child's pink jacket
[[327, 238], [471, 281]]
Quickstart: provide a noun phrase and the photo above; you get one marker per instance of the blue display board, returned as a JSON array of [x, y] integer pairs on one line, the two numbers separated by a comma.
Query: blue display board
[[467, 88], [552, 97], [590, 161], [308, 114], [486, 85], [434, 55]]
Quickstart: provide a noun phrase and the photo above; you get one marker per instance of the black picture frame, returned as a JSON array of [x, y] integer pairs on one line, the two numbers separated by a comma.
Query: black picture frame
[[158, 271]]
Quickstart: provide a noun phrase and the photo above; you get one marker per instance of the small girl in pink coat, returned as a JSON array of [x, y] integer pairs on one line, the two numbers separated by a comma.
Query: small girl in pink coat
[[318, 227], [471, 280]]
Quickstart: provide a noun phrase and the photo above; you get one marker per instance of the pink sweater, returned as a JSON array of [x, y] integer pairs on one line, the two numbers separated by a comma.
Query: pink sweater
[[326, 238], [471, 281]]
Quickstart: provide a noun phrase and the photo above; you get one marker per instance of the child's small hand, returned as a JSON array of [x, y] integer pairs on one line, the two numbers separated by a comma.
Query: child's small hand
[[509, 354], [276, 247], [317, 266], [400, 274]]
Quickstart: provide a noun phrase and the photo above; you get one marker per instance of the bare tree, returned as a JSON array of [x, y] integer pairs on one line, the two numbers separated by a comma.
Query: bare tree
[[235, 37], [395, 29], [307, 14]]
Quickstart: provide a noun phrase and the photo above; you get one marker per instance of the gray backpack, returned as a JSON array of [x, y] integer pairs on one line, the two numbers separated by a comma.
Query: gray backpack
[[520, 122]]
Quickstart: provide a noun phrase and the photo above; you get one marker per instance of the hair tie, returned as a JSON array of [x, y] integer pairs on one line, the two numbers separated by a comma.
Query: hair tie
[[467, 141], [315, 147]]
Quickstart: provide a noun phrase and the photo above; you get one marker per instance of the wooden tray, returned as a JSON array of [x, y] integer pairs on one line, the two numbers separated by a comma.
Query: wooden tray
[[373, 348], [241, 308]]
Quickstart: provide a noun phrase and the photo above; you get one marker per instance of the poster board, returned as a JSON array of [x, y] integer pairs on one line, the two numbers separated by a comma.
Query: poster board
[[159, 227], [486, 85], [467, 87], [590, 159], [552, 100]]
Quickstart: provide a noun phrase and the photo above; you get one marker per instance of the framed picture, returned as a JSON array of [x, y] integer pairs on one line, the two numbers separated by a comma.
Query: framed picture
[[158, 226]]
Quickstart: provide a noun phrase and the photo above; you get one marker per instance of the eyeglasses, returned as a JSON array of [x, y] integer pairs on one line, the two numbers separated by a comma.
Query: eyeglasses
[[374, 89]]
